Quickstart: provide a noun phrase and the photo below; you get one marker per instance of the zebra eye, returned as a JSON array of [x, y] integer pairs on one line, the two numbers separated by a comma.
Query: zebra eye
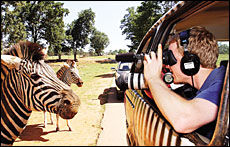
[[34, 76]]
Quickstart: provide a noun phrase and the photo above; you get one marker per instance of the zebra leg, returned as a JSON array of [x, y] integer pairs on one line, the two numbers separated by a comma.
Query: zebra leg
[[51, 119], [68, 124], [45, 119], [57, 117]]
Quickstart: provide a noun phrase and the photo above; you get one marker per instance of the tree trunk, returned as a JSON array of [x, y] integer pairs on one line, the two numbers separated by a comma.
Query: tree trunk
[[75, 56], [59, 56]]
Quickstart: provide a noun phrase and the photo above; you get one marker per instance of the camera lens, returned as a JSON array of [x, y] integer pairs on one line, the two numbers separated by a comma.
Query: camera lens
[[168, 78], [168, 58], [136, 81]]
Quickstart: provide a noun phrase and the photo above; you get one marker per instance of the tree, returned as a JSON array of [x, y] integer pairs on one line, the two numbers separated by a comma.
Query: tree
[[11, 26], [35, 20], [68, 33], [82, 27], [128, 27], [53, 25], [223, 48], [135, 24], [121, 51], [99, 41]]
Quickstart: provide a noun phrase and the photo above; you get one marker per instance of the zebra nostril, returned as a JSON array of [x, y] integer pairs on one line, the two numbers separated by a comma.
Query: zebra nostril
[[66, 102]]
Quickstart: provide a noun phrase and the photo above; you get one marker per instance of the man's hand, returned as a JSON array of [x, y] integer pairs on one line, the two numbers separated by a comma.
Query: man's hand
[[153, 65]]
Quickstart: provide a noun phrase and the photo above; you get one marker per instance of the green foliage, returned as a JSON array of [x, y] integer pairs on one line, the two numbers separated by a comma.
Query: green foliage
[[223, 49], [120, 51], [82, 27], [11, 25], [135, 24], [68, 33], [99, 41], [54, 26], [35, 20]]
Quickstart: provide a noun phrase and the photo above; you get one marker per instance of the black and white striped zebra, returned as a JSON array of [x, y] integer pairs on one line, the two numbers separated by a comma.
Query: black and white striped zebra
[[29, 84], [69, 74]]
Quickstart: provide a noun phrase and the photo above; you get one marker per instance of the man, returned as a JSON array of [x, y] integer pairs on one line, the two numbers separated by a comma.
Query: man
[[188, 115]]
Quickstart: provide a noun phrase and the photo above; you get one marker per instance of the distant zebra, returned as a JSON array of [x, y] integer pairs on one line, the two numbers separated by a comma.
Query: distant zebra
[[29, 84], [69, 74]]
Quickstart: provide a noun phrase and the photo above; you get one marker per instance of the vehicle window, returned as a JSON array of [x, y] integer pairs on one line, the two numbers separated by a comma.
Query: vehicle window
[[223, 51], [125, 66]]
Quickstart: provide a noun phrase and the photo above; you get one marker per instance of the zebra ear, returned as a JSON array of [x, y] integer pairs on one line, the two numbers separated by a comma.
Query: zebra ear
[[10, 61], [66, 65], [45, 50]]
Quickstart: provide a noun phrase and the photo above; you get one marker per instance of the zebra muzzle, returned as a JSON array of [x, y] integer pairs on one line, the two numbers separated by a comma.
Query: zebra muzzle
[[69, 105], [79, 84]]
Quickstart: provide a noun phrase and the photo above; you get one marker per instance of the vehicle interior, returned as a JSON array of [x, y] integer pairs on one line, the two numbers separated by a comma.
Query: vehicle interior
[[215, 18]]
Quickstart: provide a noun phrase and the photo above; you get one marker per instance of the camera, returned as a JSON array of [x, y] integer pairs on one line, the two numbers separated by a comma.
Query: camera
[[167, 57], [135, 79]]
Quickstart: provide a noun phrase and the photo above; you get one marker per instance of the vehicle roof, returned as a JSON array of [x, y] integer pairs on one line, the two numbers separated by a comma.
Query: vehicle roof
[[214, 18], [213, 15]]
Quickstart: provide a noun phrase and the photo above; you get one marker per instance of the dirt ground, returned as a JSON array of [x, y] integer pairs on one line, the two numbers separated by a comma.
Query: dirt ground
[[86, 125]]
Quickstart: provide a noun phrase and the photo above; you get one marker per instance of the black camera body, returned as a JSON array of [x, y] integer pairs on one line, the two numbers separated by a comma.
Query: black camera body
[[168, 58], [135, 79]]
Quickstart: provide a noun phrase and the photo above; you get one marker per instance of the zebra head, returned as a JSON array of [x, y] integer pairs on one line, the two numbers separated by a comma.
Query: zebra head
[[69, 74], [39, 88], [27, 84]]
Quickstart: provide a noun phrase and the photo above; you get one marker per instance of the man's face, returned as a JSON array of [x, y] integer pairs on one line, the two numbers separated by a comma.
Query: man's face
[[178, 76]]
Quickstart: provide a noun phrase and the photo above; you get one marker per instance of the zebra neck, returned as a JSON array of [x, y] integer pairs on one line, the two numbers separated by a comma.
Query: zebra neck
[[14, 114], [62, 74], [14, 117]]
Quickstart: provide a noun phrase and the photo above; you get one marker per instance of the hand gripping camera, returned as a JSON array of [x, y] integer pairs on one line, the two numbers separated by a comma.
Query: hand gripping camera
[[135, 80]]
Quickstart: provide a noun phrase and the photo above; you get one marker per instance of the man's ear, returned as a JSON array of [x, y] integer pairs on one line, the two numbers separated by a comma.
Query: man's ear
[[10, 61]]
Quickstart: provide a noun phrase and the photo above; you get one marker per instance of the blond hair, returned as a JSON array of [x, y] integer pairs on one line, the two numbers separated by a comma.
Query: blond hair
[[201, 43]]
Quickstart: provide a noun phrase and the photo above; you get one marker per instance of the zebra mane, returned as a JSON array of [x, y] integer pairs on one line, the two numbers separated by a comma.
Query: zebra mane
[[61, 71], [26, 50]]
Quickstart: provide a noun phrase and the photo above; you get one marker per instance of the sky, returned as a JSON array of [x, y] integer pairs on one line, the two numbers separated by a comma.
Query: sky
[[108, 16]]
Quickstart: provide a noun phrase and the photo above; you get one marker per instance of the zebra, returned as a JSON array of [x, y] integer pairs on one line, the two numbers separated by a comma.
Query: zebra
[[29, 84], [69, 74]]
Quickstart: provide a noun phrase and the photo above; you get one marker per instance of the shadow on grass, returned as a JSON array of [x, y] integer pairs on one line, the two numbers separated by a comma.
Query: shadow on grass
[[106, 75], [106, 61]]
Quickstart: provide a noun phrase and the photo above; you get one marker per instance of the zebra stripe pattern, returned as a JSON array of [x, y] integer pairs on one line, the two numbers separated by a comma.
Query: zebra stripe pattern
[[152, 129], [29, 84]]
